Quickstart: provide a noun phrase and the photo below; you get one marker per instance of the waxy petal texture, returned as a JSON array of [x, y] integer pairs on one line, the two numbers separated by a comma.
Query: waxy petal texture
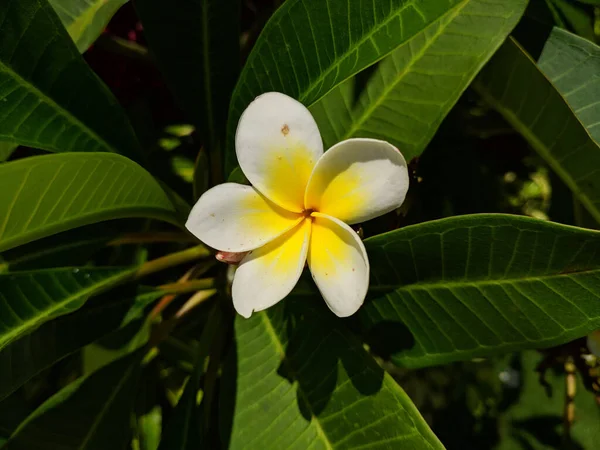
[[339, 264], [268, 274], [358, 180], [236, 218], [277, 145]]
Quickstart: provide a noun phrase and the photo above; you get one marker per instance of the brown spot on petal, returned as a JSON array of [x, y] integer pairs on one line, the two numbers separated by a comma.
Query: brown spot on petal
[[285, 129]]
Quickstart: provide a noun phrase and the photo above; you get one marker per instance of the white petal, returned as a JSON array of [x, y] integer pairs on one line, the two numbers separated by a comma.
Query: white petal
[[339, 264], [268, 274], [357, 180], [277, 145], [236, 218], [593, 343]]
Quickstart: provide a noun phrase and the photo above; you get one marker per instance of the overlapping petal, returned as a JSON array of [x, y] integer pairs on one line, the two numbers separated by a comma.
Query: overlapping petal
[[236, 218], [277, 145], [268, 274], [357, 180], [339, 264]]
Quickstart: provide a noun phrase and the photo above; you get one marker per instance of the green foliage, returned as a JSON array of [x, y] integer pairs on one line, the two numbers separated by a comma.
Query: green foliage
[[91, 359], [544, 118], [42, 347], [85, 19], [304, 381], [44, 195], [413, 89], [280, 60], [539, 287], [202, 84], [50, 88], [90, 413]]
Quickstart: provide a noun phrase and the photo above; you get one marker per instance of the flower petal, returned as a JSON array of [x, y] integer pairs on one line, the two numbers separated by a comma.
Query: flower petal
[[236, 218], [339, 264], [268, 274], [277, 145], [357, 180]]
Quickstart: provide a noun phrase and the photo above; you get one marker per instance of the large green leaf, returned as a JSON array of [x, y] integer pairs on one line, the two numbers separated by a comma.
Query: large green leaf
[[50, 98], [196, 45], [413, 89], [28, 299], [29, 355], [44, 195], [310, 46], [573, 65], [91, 413], [513, 84], [304, 382], [85, 19], [472, 286]]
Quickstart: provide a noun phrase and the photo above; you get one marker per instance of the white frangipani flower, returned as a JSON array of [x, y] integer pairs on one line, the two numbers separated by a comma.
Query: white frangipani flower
[[298, 207]]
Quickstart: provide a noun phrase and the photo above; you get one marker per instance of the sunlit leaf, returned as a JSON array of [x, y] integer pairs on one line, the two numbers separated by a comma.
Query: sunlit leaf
[[44, 195], [473, 286], [310, 46], [85, 19], [413, 89], [303, 381]]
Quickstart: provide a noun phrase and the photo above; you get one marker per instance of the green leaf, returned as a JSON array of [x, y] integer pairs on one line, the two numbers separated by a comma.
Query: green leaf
[[32, 353], [184, 430], [44, 195], [47, 89], [303, 381], [473, 286], [517, 88], [85, 19], [91, 413], [28, 299], [202, 84], [413, 89], [573, 65], [6, 149], [309, 47]]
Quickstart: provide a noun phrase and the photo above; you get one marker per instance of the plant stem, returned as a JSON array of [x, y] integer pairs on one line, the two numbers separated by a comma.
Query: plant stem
[[189, 286], [173, 259], [151, 238]]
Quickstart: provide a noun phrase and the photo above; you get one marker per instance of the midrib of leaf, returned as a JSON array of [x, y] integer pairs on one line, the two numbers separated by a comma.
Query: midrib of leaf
[[354, 48], [118, 388], [84, 19], [277, 343], [458, 284], [65, 113], [447, 18], [534, 141], [7, 338]]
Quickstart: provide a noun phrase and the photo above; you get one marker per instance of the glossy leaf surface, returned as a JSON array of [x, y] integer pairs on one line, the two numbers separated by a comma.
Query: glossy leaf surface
[[472, 286], [413, 89], [44, 195]]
